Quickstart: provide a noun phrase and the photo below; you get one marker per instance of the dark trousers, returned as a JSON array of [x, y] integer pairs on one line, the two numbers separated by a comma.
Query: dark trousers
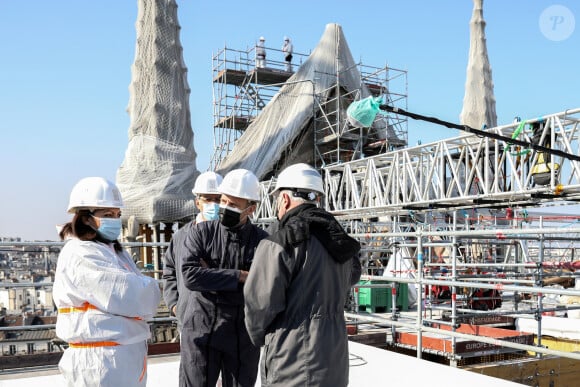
[[201, 363]]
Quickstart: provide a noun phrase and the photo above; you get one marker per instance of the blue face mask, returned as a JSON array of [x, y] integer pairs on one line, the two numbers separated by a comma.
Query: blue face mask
[[211, 211], [110, 228]]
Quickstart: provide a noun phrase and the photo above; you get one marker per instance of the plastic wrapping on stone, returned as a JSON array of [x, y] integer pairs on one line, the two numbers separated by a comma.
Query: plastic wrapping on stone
[[362, 114], [479, 100]]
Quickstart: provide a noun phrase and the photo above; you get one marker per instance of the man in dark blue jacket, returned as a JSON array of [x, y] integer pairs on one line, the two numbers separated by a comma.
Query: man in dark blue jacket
[[207, 200], [297, 288], [216, 258]]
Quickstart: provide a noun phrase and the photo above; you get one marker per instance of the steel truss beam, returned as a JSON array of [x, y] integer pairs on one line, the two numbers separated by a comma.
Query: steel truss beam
[[462, 172]]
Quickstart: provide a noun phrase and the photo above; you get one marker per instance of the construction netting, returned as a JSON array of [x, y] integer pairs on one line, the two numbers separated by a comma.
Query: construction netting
[[158, 172]]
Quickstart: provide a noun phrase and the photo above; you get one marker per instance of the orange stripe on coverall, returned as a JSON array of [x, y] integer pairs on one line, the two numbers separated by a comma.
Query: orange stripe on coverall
[[83, 308], [94, 344], [144, 372]]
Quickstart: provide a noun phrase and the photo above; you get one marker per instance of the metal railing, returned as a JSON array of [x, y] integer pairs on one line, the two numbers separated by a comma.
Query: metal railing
[[514, 279]]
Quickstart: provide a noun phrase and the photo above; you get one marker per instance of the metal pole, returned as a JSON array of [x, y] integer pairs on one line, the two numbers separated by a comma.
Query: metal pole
[[394, 313], [483, 339], [419, 282], [156, 251], [540, 283], [501, 234], [483, 285], [454, 288]]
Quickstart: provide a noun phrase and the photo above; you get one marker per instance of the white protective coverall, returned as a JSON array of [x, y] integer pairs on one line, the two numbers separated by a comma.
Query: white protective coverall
[[103, 303], [260, 54], [287, 49]]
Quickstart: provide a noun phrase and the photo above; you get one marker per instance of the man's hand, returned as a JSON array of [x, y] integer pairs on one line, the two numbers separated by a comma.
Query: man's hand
[[174, 310], [243, 276]]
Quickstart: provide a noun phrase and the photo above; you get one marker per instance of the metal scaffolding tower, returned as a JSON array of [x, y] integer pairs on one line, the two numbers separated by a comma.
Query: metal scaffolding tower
[[241, 90]]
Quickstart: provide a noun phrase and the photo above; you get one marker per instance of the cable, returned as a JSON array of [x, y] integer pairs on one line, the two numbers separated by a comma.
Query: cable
[[360, 361], [478, 132]]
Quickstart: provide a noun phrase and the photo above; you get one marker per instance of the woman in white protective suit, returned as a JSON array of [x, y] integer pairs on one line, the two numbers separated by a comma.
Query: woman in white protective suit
[[103, 299]]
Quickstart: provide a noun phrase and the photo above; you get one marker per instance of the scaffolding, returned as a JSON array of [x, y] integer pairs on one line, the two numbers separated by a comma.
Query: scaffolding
[[456, 285], [337, 140], [466, 223], [453, 220], [241, 90]]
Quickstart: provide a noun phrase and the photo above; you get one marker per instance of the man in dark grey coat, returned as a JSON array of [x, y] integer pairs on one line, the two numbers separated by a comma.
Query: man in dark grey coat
[[296, 292], [216, 257]]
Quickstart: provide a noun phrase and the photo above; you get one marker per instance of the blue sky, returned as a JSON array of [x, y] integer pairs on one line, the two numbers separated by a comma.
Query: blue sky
[[65, 70]]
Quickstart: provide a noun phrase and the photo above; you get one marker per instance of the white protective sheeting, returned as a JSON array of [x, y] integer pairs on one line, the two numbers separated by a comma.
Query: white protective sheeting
[[479, 100], [283, 132], [560, 327], [403, 268], [158, 172]]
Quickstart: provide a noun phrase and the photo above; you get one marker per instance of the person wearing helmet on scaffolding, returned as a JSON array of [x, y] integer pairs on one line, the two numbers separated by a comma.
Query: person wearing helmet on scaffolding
[[103, 300], [175, 294], [287, 49], [296, 292], [261, 53], [216, 257]]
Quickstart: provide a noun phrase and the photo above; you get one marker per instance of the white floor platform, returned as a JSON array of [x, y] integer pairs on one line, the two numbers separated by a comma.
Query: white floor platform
[[369, 366]]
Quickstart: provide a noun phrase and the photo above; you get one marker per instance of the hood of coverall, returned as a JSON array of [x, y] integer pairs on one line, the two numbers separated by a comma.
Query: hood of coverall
[[307, 219]]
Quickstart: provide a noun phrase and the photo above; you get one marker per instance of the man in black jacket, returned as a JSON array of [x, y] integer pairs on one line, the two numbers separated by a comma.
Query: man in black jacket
[[216, 257], [297, 288]]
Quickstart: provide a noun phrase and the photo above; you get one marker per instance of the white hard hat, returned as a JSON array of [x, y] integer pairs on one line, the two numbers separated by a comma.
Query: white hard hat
[[300, 176], [262, 38], [94, 192], [207, 183], [241, 183], [286, 38]]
